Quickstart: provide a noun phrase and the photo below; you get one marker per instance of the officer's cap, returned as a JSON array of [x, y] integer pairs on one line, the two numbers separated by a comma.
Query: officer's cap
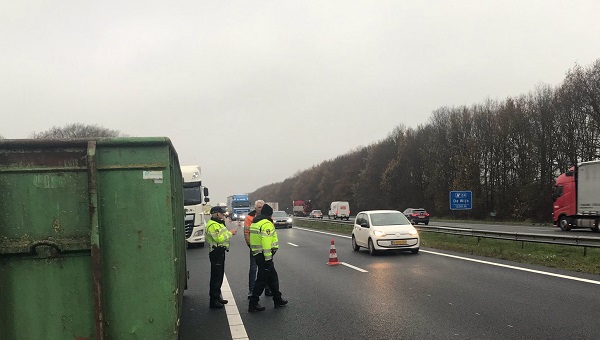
[[217, 209]]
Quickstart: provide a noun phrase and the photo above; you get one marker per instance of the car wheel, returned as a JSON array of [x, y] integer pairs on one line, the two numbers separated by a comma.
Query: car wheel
[[355, 246], [372, 250], [427, 223], [563, 223], [414, 251]]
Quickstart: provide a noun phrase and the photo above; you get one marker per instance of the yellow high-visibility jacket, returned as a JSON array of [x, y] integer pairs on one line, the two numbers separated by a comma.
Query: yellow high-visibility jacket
[[217, 234], [263, 238]]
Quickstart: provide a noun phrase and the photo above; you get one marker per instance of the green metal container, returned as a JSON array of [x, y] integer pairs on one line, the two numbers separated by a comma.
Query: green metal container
[[92, 242]]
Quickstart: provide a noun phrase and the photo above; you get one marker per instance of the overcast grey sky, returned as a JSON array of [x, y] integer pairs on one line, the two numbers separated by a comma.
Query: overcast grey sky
[[256, 90]]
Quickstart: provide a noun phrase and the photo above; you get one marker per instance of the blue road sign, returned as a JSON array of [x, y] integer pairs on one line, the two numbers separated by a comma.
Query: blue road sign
[[461, 200]]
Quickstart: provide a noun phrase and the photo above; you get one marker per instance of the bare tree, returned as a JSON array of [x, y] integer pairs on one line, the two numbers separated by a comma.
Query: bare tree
[[76, 130]]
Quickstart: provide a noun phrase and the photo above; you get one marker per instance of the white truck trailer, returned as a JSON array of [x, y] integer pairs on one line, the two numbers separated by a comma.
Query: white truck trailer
[[274, 205]]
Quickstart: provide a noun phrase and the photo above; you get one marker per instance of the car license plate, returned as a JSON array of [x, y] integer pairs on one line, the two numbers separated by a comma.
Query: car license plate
[[399, 242]]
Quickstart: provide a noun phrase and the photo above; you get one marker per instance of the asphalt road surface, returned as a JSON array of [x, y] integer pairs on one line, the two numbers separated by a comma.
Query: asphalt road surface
[[394, 295]]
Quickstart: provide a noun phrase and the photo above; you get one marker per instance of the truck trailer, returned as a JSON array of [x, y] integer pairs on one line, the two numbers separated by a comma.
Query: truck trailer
[[274, 205], [576, 195], [301, 207]]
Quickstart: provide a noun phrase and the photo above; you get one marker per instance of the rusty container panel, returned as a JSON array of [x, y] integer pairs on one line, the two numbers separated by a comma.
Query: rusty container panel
[[92, 242]]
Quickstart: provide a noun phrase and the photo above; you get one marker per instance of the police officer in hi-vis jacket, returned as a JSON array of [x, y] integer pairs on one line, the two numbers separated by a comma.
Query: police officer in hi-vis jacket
[[264, 244], [217, 236]]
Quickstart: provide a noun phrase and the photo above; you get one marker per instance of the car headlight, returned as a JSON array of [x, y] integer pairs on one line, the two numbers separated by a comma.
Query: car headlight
[[413, 232], [378, 233], [289, 220], [199, 233]]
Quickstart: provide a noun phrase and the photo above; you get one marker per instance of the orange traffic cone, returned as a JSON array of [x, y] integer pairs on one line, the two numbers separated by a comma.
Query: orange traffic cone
[[333, 259]]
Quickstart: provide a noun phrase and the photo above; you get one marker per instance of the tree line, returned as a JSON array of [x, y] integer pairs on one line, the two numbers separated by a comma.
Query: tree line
[[75, 130], [507, 152]]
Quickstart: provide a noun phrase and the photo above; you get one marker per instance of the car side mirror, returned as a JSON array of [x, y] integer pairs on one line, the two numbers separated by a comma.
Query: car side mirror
[[364, 225]]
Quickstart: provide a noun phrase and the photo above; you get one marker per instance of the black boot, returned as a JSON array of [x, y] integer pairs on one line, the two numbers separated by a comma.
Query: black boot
[[280, 302], [216, 305], [255, 308], [223, 301]]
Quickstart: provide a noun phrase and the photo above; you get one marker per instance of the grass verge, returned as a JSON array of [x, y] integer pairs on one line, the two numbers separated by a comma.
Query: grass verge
[[549, 255]]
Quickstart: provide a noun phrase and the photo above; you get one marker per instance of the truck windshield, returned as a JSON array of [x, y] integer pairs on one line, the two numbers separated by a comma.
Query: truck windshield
[[192, 194], [240, 204]]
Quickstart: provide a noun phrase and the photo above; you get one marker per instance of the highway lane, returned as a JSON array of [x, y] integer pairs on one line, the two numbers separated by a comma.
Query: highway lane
[[511, 228], [424, 296]]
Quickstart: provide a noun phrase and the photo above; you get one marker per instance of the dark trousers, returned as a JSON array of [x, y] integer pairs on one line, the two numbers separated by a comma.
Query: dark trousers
[[252, 276], [267, 276], [217, 271], [252, 273]]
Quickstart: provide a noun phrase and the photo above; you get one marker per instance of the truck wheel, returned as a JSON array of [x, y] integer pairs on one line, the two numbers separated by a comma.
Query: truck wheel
[[564, 223]]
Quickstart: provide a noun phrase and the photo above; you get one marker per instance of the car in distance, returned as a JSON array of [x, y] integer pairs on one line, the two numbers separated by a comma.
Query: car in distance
[[316, 214], [384, 230], [417, 216], [281, 219]]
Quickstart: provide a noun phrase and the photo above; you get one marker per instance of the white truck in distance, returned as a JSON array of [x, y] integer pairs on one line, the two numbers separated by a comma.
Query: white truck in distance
[[274, 205], [340, 209], [194, 196]]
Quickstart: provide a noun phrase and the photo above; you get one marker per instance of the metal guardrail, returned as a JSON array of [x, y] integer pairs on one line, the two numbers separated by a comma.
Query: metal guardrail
[[578, 241], [565, 240]]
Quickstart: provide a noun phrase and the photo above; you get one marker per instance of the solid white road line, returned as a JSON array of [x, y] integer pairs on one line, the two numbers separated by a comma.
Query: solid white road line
[[354, 267], [574, 278], [236, 326], [516, 268], [291, 244]]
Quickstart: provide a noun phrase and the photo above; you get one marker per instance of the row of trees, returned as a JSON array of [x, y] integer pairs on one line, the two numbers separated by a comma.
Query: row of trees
[[506, 152], [75, 130]]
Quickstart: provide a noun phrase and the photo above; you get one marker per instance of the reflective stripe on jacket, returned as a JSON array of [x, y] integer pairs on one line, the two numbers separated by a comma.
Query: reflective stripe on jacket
[[217, 234], [247, 224], [263, 238]]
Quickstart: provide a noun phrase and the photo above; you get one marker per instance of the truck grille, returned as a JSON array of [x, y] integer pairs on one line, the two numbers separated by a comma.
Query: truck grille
[[189, 227]]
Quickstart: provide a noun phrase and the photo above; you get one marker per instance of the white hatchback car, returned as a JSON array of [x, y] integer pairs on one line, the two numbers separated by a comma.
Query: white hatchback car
[[384, 230]]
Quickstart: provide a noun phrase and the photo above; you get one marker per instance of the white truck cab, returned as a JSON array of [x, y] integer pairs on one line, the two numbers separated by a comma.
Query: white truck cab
[[194, 197]]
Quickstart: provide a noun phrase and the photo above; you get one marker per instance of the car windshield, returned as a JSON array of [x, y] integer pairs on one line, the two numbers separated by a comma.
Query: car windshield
[[317, 211], [388, 218], [418, 211], [279, 214]]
